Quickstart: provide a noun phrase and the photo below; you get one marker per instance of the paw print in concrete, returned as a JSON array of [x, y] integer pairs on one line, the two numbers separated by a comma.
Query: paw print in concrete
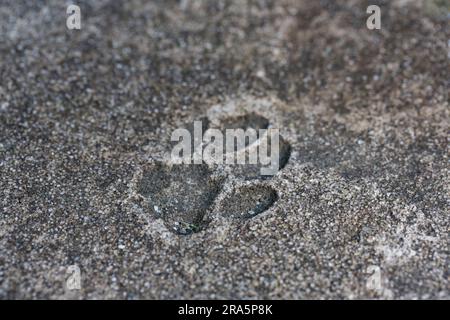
[[182, 194]]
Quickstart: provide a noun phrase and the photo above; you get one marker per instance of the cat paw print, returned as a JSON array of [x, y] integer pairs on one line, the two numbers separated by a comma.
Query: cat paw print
[[182, 195]]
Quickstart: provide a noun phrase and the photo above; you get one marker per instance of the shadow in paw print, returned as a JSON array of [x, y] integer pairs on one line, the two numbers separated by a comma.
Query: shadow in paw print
[[254, 121], [253, 171], [247, 202], [180, 195], [247, 121]]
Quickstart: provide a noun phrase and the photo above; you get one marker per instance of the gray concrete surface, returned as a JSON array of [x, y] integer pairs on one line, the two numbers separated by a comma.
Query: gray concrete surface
[[360, 209]]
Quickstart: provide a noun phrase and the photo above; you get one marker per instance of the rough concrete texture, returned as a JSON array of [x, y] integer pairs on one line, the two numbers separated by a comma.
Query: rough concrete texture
[[360, 209]]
